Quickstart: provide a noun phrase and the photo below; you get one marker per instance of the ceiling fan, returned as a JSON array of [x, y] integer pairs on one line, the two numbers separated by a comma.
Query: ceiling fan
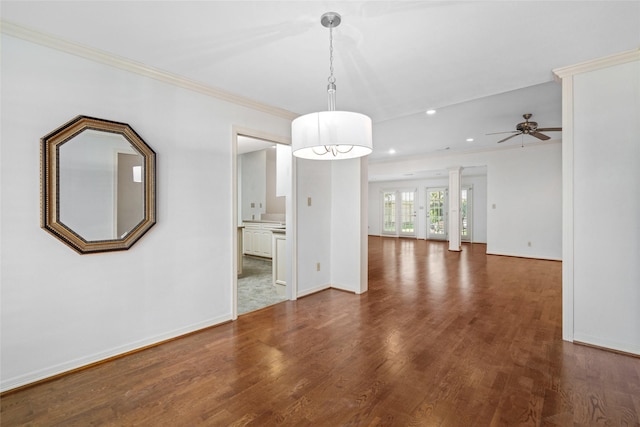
[[528, 128]]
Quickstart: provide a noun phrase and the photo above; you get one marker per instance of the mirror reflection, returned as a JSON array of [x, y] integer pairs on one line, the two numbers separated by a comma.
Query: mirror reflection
[[101, 190]]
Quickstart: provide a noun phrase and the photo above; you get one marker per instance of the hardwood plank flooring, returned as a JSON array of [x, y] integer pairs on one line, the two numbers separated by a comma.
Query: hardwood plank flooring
[[441, 339]]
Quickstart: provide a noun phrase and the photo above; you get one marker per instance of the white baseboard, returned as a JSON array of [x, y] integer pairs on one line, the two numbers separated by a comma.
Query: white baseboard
[[525, 256], [343, 288], [599, 342], [61, 368], [312, 290]]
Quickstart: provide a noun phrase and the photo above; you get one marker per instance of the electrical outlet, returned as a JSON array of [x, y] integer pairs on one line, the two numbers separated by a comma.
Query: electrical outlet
[[318, 266], [529, 244]]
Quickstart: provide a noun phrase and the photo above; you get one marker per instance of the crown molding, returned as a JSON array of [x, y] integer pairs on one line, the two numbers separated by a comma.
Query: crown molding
[[77, 49], [597, 64]]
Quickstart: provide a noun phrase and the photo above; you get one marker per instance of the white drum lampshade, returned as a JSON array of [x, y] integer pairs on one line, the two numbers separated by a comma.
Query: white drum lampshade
[[331, 135]]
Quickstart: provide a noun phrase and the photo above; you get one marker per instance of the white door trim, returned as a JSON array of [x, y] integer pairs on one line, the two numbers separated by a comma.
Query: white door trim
[[291, 220]]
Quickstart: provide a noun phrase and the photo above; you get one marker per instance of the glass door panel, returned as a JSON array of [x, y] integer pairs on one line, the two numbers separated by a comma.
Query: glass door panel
[[407, 213], [465, 213], [437, 213], [389, 212]]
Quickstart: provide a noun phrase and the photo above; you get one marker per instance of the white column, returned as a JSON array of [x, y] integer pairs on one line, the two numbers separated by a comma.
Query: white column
[[454, 209]]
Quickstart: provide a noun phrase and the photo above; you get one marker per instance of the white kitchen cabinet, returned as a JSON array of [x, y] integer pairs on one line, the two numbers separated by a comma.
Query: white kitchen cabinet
[[262, 243], [248, 236], [256, 238]]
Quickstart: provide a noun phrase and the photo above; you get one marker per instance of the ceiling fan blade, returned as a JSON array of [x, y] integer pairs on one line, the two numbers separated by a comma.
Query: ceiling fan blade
[[509, 137], [496, 133], [549, 129], [540, 135]]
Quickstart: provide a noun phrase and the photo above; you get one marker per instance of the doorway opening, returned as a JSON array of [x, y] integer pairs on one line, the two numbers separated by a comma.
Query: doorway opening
[[262, 190]]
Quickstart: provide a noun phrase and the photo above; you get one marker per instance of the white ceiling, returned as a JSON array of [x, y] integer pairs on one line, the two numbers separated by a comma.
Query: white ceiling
[[481, 64]]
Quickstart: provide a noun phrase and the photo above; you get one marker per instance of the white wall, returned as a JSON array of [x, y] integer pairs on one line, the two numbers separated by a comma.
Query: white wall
[[313, 225], [331, 230], [59, 309], [605, 173], [257, 173], [274, 204], [252, 184], [479, 208], [525, 184]]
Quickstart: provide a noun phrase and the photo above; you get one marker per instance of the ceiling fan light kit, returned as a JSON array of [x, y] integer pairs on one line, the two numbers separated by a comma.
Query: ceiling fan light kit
[[331, 134], [528, 128]]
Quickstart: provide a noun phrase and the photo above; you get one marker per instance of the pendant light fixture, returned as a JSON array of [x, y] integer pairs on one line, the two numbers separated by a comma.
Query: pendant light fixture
[[331, 135]]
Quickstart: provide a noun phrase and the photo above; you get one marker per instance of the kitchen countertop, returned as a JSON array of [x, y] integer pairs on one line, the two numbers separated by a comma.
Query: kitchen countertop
[[271, 225]]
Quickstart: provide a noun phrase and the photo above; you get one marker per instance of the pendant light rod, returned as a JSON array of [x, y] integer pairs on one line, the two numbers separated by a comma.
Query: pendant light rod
[[331, 20]]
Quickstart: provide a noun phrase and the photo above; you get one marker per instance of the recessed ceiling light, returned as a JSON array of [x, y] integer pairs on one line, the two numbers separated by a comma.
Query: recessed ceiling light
[[431, 112], [392, 151], [469, 139]]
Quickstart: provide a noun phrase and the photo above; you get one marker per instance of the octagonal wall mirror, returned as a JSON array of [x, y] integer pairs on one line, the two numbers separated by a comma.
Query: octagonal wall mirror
[[98, 185]]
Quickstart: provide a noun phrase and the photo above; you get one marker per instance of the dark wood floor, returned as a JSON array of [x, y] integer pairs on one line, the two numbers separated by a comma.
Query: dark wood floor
[[441, 339]]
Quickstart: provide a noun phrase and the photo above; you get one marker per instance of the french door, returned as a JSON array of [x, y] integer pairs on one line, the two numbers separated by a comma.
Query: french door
[[466, 209], [437, 204], [399, 213], [437, 213]]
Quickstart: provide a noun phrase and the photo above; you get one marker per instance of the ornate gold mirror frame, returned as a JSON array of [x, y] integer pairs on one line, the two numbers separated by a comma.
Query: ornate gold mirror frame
[[88, 184]]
